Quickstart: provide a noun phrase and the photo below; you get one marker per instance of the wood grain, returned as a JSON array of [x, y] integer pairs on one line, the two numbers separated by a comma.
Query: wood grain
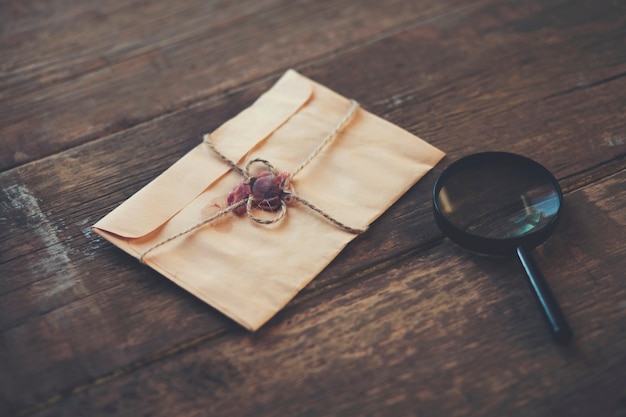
[[125, 80], [98, 99], [441, 333]]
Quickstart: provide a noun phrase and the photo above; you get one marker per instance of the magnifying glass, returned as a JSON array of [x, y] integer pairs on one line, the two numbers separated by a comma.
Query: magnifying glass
[[498, 203]]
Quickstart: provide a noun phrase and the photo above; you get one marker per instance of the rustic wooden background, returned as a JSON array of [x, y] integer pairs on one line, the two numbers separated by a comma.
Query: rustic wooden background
[[98, 97]]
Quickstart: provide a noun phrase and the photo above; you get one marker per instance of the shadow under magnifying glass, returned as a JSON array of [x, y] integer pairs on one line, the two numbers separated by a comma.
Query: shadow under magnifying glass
[[502, 204]]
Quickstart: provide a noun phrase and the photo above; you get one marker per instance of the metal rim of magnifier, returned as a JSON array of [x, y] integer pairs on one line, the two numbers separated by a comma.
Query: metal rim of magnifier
[[495, 246]]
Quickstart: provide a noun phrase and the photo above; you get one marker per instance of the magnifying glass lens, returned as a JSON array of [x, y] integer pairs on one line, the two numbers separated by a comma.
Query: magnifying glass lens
[[498, 200], [499, 203]]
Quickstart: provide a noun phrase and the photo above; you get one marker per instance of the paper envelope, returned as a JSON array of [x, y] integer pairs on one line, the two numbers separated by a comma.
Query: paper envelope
[[246, 270]]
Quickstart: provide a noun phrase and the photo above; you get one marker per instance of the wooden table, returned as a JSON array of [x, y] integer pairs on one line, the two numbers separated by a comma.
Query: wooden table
[[99, 97]]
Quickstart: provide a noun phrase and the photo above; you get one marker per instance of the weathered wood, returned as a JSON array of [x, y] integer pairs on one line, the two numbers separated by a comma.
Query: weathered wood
[[47, 43], [81, 322], [443, 333], [527, 81], [111, 83]]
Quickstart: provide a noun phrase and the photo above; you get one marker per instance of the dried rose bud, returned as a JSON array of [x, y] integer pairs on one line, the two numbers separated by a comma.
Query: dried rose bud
[[240, 192], [267, 190]]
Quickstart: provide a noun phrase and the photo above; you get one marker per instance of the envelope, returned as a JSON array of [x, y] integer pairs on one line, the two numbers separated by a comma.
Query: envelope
[[246, 270]]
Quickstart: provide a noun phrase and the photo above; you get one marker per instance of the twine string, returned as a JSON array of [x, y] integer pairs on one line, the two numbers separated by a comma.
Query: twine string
[[288, 194], [207, 140], [269, 166], [210, 219], [329, 138], [280, 215], [328, 217]]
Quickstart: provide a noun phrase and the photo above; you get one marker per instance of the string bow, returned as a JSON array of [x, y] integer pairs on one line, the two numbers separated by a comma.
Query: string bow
[[266, 189]]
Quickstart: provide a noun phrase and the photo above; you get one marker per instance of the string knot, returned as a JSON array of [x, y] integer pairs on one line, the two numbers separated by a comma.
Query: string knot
[[265, 189]]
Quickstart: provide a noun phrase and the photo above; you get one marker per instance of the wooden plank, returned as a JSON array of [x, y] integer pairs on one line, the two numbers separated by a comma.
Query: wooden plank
[[69, 299], [57, 40], [80, 83], [64, 286], [69, 288], [503, 77], [445, 333]]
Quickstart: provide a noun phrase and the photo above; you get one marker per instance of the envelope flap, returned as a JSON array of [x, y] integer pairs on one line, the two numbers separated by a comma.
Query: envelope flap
[[197, 170], [254, 124]]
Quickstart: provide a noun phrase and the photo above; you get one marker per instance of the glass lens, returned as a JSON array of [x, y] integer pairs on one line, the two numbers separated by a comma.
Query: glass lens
[[498, 199]]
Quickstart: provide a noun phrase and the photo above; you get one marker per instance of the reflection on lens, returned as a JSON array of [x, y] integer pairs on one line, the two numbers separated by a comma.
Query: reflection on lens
[[498, 203], [498, 199]]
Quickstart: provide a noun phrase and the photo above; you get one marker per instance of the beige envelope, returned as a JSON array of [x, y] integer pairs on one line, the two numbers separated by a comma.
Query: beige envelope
[[246, 270]]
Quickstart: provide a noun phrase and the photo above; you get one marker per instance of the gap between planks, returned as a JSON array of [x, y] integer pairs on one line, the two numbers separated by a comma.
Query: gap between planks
[[579, 181], [267, 78], [355, 276], [215, 334]]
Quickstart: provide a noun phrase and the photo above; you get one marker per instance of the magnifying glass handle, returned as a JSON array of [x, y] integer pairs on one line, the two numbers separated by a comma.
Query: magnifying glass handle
[[561, 332]]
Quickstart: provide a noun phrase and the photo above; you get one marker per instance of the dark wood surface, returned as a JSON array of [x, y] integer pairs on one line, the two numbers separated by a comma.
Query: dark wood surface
[[98, 97]]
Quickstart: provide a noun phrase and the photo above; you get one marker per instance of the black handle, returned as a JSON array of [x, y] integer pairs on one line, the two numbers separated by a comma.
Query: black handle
[[561, 332]]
